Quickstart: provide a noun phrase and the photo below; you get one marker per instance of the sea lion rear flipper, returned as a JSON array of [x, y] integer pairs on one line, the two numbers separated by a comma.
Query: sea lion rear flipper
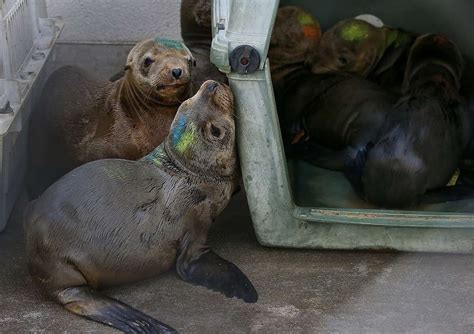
[[218, 274], [458, 192], [93, 305]]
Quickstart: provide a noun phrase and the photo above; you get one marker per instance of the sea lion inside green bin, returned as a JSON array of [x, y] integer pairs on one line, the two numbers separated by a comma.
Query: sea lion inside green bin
[[424, 134], [357, 47]]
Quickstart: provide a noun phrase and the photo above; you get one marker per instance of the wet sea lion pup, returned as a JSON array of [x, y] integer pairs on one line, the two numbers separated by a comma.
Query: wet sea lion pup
[[295, 38], [196, 31], [81, 118], [424, 134], [331, 116], [114, 221], [357, 47]]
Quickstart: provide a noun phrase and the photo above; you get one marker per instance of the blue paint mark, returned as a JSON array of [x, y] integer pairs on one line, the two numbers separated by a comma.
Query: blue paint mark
[[178, 130]]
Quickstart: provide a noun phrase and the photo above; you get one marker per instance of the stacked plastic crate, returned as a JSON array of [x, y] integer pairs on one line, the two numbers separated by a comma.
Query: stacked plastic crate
[[27, 36]]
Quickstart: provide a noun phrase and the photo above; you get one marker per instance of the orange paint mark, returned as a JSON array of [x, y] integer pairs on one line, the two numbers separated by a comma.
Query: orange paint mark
[[440, 40], [311, 32]]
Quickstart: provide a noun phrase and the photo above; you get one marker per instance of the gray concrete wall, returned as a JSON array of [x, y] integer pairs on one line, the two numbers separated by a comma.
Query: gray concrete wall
[[116, 21]]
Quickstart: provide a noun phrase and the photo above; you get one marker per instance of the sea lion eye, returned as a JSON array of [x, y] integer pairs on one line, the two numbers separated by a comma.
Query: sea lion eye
[[215, 131], [342, 60], [148, 61]]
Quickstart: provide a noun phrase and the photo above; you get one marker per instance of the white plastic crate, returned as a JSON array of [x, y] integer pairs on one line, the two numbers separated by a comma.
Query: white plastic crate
[[27, 36]]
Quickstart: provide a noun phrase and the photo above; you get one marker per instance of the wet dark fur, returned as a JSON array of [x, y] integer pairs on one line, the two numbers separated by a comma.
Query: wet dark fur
[[339, 112], [80, 118], [114, 221], [424, 134]]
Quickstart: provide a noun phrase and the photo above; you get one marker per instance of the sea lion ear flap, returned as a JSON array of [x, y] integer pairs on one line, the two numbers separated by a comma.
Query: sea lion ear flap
[[192, 60]]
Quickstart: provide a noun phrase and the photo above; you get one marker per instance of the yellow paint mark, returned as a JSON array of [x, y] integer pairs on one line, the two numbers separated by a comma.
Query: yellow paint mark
[[186, 139]]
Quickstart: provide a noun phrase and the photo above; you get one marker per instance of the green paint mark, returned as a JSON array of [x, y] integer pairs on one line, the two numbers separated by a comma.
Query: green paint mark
[[305, 19], [392, 37], [114, 173], [170, 43], [187, 139], [355, 31], [156, 156]]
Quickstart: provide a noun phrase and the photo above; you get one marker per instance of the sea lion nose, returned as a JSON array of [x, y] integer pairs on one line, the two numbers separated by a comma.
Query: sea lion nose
[[212, 86], [176, 72]]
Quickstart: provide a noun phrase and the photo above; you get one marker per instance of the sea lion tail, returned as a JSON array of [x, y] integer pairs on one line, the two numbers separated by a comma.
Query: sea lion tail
[[84, 301]]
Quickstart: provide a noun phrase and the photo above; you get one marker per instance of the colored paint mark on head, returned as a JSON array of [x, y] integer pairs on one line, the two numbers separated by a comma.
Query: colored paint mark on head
[[187, 139], [178, 130], [305, 19], [392, 37], [311, 32], [170, 43], [355, 31]]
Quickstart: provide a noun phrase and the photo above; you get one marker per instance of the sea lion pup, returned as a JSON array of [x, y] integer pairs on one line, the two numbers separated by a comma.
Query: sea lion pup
[[424, 134], [114, 221], [357, 47], [81, 118], [336, 113], [196, 31], [295, 37]]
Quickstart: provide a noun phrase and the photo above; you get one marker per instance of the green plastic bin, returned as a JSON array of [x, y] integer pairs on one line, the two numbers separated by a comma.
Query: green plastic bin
[[295, 204]]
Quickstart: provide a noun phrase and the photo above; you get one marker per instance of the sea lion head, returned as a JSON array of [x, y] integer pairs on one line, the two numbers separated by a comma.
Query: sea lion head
[[202, 135], [160, 69], [196, 20], [296, 35], [433, 58], [352, 46]]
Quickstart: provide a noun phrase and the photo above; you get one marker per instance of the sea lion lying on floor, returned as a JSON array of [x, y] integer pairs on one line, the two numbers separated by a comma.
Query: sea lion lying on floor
[[81, 118], [114, 221], [424, 134]]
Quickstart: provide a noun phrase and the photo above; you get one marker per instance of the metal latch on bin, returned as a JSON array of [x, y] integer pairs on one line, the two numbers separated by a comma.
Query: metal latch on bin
[[244, 59]]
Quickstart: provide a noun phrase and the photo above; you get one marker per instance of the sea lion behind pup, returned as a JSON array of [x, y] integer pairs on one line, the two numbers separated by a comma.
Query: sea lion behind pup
[[196, 31], [424, 134], [357, 47], [81, 118], [114, 221], [295, 37]]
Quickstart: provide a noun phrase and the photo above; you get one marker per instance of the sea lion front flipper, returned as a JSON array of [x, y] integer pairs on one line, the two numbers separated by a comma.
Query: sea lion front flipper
[[218, 274], [458, 192], [318, 155], [84, 301]]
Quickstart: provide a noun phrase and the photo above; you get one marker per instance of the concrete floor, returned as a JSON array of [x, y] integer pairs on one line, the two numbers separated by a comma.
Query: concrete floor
[[300, 291]]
